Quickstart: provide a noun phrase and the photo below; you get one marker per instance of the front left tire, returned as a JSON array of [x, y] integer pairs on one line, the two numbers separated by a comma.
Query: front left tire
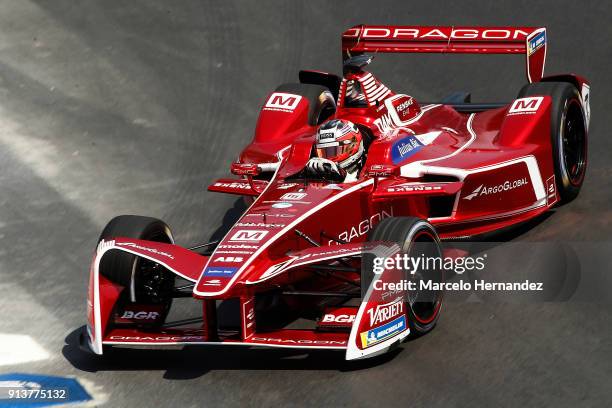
[[145, 283]]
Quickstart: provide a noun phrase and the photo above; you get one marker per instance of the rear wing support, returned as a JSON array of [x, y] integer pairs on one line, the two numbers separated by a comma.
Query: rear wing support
[[530, 41]]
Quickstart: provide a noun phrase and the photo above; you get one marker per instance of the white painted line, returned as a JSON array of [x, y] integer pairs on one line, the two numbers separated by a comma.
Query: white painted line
[[19, 349]]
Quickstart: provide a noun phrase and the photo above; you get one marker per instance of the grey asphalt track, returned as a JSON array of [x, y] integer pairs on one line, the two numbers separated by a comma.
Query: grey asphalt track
[[133, 107]]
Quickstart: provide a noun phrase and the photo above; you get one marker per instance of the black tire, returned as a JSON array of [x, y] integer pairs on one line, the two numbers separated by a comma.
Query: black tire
[[121, 267], [118, 267], [321, 102], [568, 134], [413, 235]]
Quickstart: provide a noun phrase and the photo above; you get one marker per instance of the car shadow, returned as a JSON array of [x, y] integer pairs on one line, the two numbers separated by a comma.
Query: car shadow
[[230, 217], [555, 264]]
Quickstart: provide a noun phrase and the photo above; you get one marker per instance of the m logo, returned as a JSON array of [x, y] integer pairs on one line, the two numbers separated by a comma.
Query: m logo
[[526, 105], [293, 196], [249, 235], [282, 101]]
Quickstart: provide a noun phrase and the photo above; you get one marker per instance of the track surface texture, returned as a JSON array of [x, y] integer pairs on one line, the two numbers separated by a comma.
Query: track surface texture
[[114, 107]]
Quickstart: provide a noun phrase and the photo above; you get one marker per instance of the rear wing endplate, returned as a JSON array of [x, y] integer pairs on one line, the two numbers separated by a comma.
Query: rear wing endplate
[[530, 41]]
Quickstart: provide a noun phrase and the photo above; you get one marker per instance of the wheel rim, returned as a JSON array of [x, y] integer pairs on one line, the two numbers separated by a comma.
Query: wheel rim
[[573, 143], [425, 305], [150, 280]]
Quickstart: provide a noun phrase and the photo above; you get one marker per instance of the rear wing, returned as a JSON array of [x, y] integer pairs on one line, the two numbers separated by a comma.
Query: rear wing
[[530, 41]]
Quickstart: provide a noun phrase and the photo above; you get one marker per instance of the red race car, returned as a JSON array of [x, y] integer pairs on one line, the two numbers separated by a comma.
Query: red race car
[[296, 269]]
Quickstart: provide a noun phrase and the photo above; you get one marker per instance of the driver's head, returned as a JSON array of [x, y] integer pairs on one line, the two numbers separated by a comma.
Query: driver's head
[[340, 141]]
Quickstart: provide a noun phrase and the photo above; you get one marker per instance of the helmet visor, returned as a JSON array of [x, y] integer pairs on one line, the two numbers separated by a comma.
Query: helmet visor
[[331, 152]]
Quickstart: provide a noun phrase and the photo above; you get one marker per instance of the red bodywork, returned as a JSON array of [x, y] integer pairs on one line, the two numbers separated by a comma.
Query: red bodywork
[[467, 173]]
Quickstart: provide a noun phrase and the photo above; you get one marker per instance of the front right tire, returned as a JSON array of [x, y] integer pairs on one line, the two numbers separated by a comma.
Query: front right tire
[[415, 237]]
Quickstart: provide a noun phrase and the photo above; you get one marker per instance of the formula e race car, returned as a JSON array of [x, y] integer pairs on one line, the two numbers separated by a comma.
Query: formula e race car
[[296, 269]]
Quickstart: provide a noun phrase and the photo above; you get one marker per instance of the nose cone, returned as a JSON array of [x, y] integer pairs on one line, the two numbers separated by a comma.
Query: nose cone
[[265, 232]]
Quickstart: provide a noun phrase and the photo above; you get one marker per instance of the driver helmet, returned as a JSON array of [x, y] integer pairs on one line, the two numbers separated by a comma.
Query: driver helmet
[[340, 141]]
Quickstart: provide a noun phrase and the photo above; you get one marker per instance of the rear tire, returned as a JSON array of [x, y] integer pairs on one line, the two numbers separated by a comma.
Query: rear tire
[[568, 134], [145, 282], [321, 102], [413, 235]]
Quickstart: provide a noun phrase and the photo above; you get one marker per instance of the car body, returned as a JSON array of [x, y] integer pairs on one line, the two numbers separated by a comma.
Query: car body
[[465, 169]]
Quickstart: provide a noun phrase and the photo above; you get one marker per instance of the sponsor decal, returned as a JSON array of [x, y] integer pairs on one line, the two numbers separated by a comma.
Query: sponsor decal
[[363, 227], [551, 191], [407, 188], [403, 107], [229, 259], [304, 342], [341, 318], [234, 252], [152, 250], [390, 293], [223, 271], [249, 235], [404, 148], [103, 245], [326, 253], [248, 313], [380, 333], [586, 90], [236, 185], [441, 33], [282, 205], [380, 170], [258, 224], [282, 266], [326, 135], [129, 315], [283, 102], [238, 246], [385, 123], [286, 186], [212, 282], [157, 338], [142, 315], [276, 269], [382, 313], [536, 43], [332, 187], [274, 215], [248, 169], [293, 196], [526, 106], [508, 185]]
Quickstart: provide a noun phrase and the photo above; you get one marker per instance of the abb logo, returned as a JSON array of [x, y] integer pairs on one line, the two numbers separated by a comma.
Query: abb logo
[[526, 105], [282, 101], [249, 235], [229, 259]]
